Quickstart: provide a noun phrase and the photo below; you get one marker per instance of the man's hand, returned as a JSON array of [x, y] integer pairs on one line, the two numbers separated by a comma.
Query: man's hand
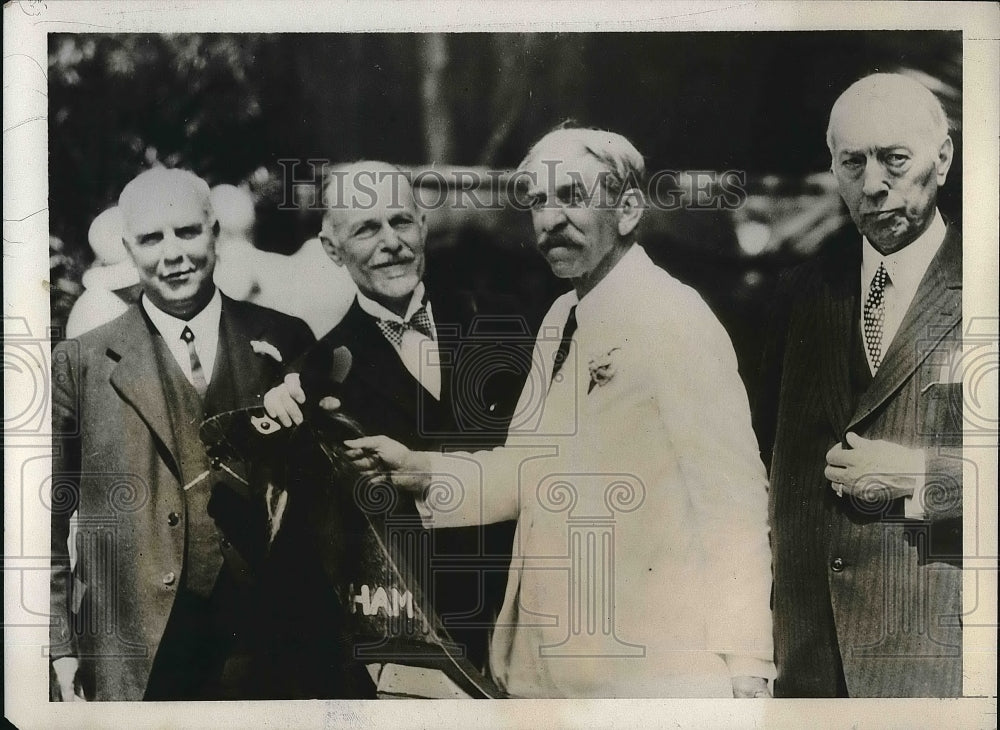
[[65, 670], [874, 471], [749, 687], [282, 401], [378, 455]]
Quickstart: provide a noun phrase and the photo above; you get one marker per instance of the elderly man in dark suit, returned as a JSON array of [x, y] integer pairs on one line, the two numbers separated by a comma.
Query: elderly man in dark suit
[[866, 473], [421, 372], [154, 607]]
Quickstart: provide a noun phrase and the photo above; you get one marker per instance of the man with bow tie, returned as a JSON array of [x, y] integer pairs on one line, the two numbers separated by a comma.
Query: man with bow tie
[[863, 394], [156, 604], [641, 565], [417, 373]]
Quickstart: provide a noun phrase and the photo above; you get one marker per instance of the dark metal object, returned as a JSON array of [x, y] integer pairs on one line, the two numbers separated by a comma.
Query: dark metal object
[[351, 523]]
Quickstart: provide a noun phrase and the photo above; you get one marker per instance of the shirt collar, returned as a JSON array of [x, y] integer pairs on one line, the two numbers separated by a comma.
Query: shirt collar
[[907, 266], [605, 298], [378, 311], [204, 325]]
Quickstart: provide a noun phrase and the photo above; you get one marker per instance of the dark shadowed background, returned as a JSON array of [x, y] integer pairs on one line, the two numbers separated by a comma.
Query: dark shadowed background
[[233, 106]]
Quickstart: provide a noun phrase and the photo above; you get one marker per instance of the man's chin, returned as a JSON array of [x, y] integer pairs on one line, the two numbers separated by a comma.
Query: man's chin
[[182, 299], [397, 287], [564, 269], [887, 240]]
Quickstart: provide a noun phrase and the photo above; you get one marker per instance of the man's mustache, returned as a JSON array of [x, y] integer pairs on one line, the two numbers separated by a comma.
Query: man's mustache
[[554, 240], [394, 262]]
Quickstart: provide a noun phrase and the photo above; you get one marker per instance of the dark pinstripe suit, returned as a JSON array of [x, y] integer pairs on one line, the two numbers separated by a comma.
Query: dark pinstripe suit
[[866, 603]]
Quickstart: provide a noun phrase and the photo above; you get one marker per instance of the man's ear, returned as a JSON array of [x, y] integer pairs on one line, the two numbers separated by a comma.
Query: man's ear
[[331, 248], [630, 209], [946, 154]]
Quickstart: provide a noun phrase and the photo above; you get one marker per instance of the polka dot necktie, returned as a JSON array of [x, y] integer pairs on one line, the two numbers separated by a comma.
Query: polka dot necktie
[[419, 322], [875, 315]]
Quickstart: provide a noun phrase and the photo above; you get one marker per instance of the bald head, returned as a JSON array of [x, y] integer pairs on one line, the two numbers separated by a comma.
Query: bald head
[[895, 96], [169, 229]]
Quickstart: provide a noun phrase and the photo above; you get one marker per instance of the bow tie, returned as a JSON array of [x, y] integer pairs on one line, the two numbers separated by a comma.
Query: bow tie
[[419, 322]]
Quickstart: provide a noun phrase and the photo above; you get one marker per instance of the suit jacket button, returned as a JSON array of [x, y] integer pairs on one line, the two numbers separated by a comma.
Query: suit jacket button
[[173, 518], [837, 565], [225, 544], [169, 578]]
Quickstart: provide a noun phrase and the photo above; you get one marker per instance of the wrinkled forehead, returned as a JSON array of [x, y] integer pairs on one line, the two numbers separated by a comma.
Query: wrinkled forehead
[[157, 202], [560, 161], [368, 192]]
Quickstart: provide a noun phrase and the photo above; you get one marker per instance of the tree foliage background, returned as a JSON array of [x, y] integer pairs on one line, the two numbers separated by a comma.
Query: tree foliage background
[[232, 106]]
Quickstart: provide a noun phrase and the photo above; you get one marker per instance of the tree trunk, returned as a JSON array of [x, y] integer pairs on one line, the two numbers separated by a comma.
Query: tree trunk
[[438, 132]]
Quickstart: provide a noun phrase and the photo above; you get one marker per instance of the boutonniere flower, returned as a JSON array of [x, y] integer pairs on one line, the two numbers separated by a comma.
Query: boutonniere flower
[[262, 347], [602, 369]]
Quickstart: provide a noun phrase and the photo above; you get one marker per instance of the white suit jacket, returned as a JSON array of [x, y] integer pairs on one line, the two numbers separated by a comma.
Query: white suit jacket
[[641, 564]]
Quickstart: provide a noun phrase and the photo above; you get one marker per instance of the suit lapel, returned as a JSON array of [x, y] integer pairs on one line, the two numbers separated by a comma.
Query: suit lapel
[[235, 356], [136, 378], [935, 310], [450, 320], [837, 308]]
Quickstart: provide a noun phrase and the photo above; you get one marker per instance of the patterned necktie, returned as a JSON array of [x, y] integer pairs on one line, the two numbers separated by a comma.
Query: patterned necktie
[[567, 337], [875, 316], [197, 373], [419, 322]]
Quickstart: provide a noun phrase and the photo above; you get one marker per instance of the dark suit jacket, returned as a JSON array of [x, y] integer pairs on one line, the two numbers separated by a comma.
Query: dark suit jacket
[[123, 449], [484, 365], [484, 362], [856, 585]]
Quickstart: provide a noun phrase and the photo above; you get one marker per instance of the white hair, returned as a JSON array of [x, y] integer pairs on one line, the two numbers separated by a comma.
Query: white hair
[[613, 150], [334, 186]]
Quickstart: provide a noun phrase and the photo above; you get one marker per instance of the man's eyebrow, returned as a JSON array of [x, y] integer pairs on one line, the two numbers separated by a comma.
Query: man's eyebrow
[[560, 188], [877, 148], [364, 222]]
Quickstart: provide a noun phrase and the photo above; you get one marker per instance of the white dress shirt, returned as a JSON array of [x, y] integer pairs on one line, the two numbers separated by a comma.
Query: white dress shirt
[[204, 326], [418, 352], [641, 565], [906, 268]]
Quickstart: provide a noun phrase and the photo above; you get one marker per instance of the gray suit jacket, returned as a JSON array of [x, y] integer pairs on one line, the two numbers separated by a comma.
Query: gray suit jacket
[[121, 456]]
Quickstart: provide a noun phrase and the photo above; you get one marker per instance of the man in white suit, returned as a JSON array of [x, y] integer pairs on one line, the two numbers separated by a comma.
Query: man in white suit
[[641, 565]]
